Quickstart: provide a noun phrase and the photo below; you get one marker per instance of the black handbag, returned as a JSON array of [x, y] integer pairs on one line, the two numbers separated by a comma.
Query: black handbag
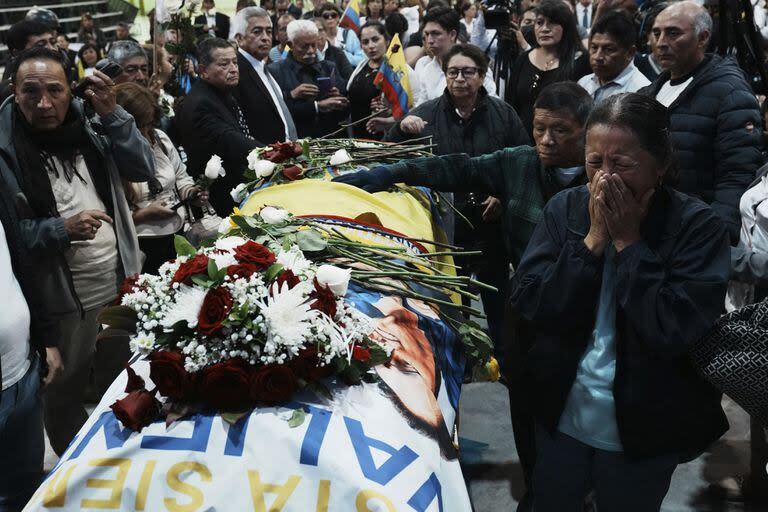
[[734, 358]]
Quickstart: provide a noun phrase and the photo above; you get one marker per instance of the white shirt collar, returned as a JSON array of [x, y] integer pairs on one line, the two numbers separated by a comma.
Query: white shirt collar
[[256, 63], [621, 80]]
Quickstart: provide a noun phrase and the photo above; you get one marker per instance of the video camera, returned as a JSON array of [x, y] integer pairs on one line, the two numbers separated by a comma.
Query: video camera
[[498, 14]]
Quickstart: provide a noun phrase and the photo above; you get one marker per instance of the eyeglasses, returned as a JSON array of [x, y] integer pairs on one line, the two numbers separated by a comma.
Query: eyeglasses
[[465, 72], [330, 15]]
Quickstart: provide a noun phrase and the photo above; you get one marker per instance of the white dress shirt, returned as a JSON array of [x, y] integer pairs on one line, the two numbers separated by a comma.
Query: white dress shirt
[[433, 81], [629, 80], [210, 20], [270, 84]]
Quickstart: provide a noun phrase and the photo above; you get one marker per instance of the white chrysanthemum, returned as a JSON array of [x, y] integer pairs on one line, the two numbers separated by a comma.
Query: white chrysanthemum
[[294, 260], [228, 243], [189, 300], [223, 259], [143, 342], [287, 315]]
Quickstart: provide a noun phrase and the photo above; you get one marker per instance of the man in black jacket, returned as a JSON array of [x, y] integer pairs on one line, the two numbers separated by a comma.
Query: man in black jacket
[[316, 111], [714, 116], [212, 22], [261, 99], [211, 123]]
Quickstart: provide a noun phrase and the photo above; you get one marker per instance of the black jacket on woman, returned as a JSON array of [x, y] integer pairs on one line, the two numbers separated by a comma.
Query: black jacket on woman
[[670, 288]]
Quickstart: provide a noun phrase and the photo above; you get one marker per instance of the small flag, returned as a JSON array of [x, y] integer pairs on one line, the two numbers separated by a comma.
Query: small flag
[[351, 17], [393, 79], [286, 51]]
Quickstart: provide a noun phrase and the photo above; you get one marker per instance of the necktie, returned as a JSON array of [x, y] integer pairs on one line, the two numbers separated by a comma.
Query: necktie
[[585, 18], [283, 107], [240, 118]]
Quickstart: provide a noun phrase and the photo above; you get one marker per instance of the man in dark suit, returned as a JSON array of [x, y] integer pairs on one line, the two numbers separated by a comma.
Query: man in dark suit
[[211, 123], [212, 22], [312, 89], [260, 97]]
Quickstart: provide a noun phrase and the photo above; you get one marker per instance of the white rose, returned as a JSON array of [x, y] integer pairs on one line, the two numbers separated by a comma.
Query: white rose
[[229, 243], [239, 192], [213, 168], [225, 225], [253, 157], [340, 157], [274, 215], [335, 278], [263, 168]]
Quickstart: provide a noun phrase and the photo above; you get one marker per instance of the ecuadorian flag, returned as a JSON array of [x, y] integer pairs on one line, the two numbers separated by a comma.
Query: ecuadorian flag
[[351, 17], [393, 79]]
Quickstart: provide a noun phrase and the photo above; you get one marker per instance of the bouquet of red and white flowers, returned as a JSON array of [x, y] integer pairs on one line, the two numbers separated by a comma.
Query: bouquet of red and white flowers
[[238, 324]]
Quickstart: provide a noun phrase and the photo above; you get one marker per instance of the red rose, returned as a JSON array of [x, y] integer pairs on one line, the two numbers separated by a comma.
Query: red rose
[[166, 369], [215, 309], [361, 354], [244, 270], [255, 254], [192, 267], [135, 383], [293, 173], [306, 365], [287, 276], [275, 155], [224, 385], [137, 410], [325, 300], [126, 287], [273, 383]]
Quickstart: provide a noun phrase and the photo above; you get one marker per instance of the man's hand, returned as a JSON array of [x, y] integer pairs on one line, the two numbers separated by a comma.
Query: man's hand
[[332, 103], [101, 93], [198, 197], [380, 124], [84, 225], [412, 125], [597, 237], [492, 209], [305, 92], [55, 365]]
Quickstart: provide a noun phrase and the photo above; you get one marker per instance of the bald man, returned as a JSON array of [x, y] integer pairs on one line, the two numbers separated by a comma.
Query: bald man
[[715, 117]]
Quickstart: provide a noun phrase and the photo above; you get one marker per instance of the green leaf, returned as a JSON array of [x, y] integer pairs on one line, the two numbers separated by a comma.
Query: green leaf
[[119, 317], [234, 417], [297, 418], [378, 355], [183, 247], [305, 148], [310, 240], [202, 280], [272, 272], [213, 270], [250, 230]]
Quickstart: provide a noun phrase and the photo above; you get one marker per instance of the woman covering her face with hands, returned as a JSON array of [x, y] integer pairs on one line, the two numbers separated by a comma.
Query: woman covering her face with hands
[[621, 277]]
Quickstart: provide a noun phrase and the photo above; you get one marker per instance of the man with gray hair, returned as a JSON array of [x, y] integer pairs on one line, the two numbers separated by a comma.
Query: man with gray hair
[[312, 89], [133, 59], [258, 93], [714, 115]]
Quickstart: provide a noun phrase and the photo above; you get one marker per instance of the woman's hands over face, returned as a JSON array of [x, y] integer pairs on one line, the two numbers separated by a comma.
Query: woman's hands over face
[[621, 211]]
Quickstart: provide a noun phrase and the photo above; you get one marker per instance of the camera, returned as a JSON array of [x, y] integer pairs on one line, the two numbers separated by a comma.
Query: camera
[[498, 13]]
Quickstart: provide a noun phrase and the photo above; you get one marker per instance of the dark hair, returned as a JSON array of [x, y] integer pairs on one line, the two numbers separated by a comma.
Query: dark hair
[[19, 33], [443, 16], [559, 13], [645, 117], [88, 46], [378, 26], [37, 53], [618, 26], [207, 46], [436, 3], [395, 23], [566, 96], [327, 6], [242, 4], [368, 11], [464, 7], [468, 50]]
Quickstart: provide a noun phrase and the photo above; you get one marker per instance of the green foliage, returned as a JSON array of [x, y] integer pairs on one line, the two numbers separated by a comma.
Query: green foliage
[[183, 247]]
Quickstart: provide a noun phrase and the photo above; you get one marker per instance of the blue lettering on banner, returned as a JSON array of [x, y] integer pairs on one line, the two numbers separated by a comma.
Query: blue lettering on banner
[[313, 439], [426, 494], [236, 437], [197, 443], [397, 462], [114, 435]]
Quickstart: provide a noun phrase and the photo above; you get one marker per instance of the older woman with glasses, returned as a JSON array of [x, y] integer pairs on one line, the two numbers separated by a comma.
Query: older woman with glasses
[[344, 38], [558, 57]]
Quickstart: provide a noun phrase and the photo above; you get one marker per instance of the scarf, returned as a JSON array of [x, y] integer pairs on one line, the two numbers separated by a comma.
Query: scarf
[[37, 152]]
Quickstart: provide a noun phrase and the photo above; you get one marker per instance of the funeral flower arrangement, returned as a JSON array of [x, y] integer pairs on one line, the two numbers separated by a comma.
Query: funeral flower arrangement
[[240, 323]]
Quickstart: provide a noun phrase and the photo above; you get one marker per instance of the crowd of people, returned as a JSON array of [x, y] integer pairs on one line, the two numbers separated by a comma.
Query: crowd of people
[[602, 157]]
